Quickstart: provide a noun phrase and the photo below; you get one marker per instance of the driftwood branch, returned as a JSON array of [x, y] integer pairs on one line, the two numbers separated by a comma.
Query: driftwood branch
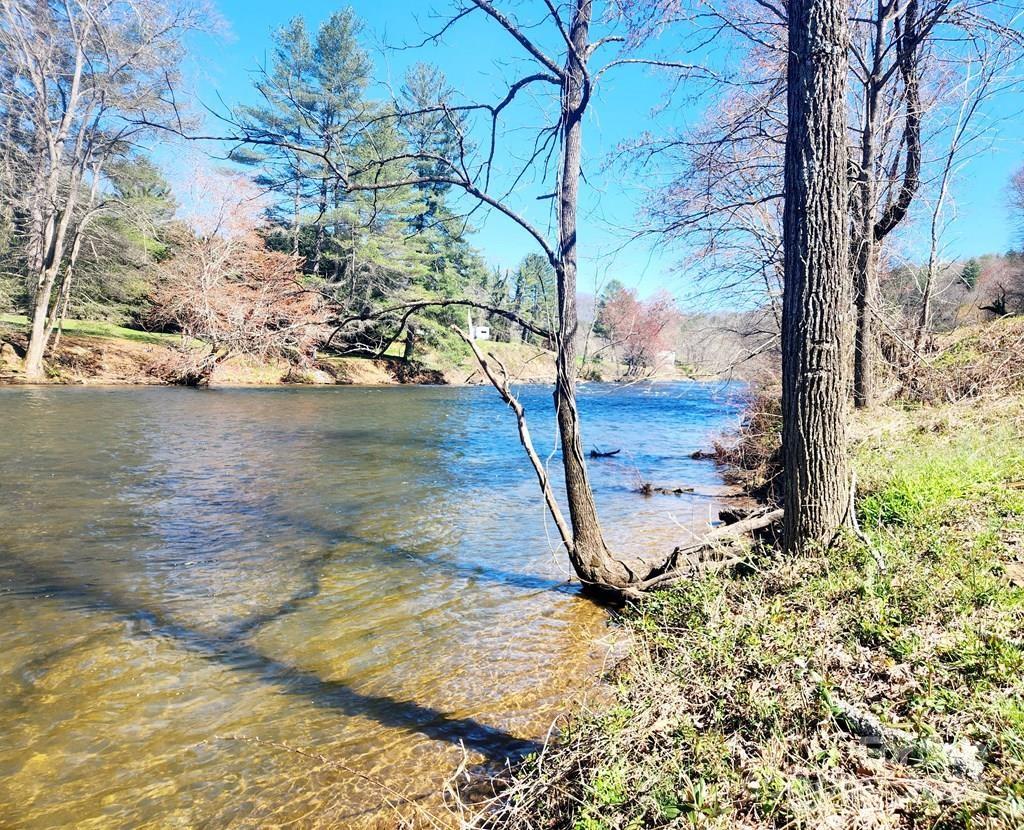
[[688, 559], [499, 380]]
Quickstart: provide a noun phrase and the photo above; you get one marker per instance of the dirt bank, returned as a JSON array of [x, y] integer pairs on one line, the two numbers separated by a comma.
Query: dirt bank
[[102, 354]]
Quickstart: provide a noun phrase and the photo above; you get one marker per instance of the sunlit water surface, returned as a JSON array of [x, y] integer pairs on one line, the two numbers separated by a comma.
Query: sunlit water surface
[[191, 582]]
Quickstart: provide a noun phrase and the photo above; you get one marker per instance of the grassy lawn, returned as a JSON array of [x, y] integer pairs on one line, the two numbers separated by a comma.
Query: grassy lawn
[[733, 710], [96, 328]]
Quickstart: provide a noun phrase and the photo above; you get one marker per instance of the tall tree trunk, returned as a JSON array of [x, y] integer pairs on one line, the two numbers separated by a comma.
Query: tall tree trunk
[[865, 256], [590, 556], [318, 245], [866, 196], [816, 300], [34, 370], [875, 228], [296, 216], [53, 246], [411, 332], [336, 236], [866, 292]]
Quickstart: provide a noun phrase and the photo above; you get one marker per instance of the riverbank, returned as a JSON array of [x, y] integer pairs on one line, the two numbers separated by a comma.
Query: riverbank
[[98, 353], [878, 684], [358, 574], [94, 353]]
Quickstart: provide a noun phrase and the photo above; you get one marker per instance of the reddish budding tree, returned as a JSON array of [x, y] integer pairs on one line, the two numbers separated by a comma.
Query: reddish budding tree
[[638, 331], [232, 296], [228, 294]]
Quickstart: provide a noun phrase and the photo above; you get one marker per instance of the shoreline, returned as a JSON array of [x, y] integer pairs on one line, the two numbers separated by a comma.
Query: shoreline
[[8, 383], [853, 651], [117, 360], [555, 675]]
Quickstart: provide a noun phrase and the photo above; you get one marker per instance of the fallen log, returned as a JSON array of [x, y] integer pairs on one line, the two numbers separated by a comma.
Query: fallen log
[[598, 454], [648, 489], [733, 515], [673, 491]]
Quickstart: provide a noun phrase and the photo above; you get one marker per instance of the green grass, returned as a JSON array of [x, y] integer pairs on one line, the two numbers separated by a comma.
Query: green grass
[[723, 716], [97, 328]]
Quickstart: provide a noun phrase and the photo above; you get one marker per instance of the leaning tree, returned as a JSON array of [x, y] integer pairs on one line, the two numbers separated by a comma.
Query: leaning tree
[[560, 45], [561, 48]]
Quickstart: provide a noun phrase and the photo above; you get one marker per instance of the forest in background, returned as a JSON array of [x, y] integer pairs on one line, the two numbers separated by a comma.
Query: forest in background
[[267, 249]]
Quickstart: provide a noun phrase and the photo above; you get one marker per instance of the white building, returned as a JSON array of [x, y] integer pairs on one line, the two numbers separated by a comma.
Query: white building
[[664, 360], [477, 332]]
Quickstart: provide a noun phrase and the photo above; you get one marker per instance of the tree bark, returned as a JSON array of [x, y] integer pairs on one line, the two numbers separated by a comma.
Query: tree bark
[[816, 299], [34, 370], [864, 255], [866, 291], [296, 216], [54, 245], [872, 228], [318, 244], [592, 560], [409, 351]]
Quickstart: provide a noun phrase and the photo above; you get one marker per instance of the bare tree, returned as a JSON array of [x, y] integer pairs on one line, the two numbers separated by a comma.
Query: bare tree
[[79, 71], [816, 302], [1016, 193], [723, 201], [228, 294], [574, 79], [982, 78]]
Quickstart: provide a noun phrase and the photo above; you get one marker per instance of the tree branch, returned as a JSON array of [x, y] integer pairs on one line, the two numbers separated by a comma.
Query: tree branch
[[500, 382]]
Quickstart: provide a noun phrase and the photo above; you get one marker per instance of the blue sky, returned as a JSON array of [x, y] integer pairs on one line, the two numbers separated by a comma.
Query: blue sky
[[477, 56]]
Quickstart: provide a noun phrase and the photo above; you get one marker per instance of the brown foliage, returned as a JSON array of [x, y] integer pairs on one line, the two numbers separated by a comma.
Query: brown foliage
[[237, 297], [973, 361]]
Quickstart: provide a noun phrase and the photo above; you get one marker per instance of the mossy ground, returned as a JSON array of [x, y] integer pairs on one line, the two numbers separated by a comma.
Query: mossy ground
[[724, 716]]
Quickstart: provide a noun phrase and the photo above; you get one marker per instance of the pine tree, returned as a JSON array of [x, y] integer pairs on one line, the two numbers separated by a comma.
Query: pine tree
[[313, 96], [971, 274]]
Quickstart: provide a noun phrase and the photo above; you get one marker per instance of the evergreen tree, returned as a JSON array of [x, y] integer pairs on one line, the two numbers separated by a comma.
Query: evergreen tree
[[313, 96], [971, 273], [533, 296], [131, 235], [613, 288]]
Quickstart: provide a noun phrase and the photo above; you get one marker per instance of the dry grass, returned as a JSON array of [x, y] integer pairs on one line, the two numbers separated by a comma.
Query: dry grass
[[976, 360], [753, 459]]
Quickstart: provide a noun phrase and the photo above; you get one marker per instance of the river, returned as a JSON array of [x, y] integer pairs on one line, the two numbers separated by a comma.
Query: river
[[287, 607]]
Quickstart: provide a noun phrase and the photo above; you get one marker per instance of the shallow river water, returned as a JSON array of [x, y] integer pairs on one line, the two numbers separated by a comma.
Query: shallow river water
[[256, 608]]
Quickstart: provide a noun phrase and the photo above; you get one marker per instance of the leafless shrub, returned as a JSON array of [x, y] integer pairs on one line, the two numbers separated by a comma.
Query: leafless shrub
[[753, 459]]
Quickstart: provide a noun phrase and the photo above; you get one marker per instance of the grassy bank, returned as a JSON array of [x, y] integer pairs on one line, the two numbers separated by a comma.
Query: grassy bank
[[744, 701], [103, 353], [95, 328]]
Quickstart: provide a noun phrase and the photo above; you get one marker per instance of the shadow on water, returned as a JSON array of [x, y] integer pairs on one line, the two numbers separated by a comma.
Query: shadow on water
[[232, 651], [389, 555]]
